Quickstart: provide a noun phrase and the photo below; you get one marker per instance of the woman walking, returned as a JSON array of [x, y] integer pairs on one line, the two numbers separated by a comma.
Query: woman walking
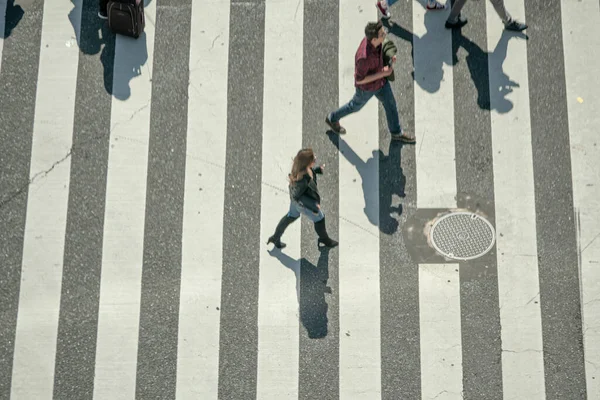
[[304, 198]]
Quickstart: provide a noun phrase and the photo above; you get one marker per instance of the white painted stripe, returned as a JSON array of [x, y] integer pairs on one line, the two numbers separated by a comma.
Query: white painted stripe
[[2, 25], [439, 300], [518, 280], [434, 109], [441, 345], [202, 241], [278, 332], [122, 253], [360, 349], [47, 203], [581, 41]]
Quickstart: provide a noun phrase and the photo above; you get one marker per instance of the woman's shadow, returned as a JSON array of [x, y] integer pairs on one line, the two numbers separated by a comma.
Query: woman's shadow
[[431, 75], [311, 287], [381, 194], [94, 36], [12, 15]]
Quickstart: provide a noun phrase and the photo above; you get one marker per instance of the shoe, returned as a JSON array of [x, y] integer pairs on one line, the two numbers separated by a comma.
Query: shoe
[[102, 15], [335, 126], [436, 5], [328, 242], [403, 137], [385, 13], [277, 242], [460, 22], [515, 25]]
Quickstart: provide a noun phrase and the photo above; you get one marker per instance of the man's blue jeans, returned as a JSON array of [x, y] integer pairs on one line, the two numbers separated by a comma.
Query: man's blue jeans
[[361, 97]]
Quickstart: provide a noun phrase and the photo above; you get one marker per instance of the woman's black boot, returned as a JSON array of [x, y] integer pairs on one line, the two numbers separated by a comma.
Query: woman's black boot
[[281, 227], [323, 236]]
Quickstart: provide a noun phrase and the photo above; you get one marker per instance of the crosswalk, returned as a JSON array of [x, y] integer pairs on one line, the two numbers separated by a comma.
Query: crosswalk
[[141, 178]]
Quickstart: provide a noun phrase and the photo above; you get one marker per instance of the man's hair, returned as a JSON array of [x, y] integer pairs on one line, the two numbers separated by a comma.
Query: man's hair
[[372, 30]]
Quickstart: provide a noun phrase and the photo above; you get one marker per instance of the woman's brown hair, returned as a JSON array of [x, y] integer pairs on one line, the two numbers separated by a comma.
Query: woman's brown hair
[[302, 161]]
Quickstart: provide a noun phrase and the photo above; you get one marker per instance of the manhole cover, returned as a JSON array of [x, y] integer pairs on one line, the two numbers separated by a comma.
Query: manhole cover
[[462, 235]]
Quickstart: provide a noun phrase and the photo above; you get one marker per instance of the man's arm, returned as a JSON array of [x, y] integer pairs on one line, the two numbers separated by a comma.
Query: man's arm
[[362, 77]]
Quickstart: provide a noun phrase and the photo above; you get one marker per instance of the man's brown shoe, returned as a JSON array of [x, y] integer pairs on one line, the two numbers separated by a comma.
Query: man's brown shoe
[[403, 138], [335, 126]]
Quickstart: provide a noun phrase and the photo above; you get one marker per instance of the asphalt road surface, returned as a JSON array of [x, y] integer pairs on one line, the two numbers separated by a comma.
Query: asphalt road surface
[[140, 180]]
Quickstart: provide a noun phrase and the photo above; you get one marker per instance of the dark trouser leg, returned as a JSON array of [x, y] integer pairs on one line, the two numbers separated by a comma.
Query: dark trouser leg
[[386, 96], [279, 230], [323, 236], [358, 101], [501, 10], [455, 12]]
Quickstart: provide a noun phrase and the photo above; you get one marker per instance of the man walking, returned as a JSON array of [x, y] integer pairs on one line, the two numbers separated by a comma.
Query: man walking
[[370, 79], [456, 21]]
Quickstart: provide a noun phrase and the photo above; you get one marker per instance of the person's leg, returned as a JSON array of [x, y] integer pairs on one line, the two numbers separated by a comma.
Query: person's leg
[[312, 216], [501, 10], [321, 230], [319, 221], [290, 217], [358, 101], [454, 19], [509, 22], [386, 96]]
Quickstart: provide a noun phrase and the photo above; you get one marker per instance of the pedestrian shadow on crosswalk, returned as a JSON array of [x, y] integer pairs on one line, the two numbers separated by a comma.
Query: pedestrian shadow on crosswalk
[[392, 183], [14, 14], [428, 70], [311, 287], [486, 67], [94, 37], [382, 196]]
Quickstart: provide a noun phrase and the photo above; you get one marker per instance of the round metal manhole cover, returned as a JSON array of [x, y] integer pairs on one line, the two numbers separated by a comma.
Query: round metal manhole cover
[[462, 235]]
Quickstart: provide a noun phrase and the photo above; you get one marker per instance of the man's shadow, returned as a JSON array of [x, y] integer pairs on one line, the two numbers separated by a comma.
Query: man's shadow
[[431, 61], [311, 287], [481, 64], [391, 183], [431, 75], [95, 37], [12, 16]]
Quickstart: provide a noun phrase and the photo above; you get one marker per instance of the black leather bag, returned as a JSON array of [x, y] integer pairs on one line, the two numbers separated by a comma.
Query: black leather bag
[[126, 17]]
